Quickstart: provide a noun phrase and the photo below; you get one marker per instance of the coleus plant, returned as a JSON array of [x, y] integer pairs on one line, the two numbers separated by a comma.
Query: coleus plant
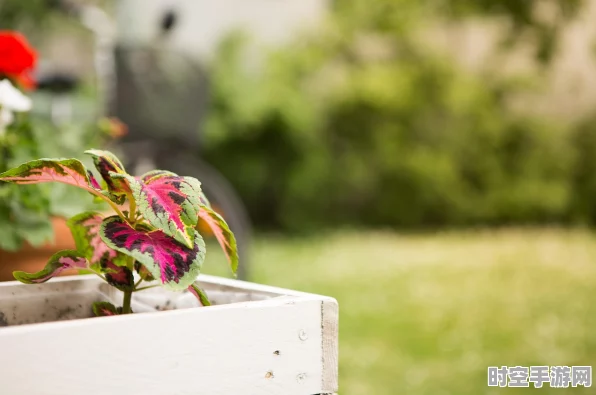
[[152, 230]]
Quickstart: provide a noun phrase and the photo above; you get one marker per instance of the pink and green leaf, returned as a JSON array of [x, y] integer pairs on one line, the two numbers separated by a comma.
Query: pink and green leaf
[[66, 171], [199, 294], [59, 262], [168, 202], [93, 181], [107, 163], [175, 264], [104, 309], [85, 229], [223, 234], [155, 174], [117, 276]]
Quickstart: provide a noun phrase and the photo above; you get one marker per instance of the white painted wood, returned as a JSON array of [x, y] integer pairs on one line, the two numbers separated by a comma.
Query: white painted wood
[[279, 342], [330, 342]]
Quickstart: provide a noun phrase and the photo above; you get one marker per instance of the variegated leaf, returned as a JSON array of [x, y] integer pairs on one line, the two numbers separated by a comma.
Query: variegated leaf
[[168, 202], [59, 262], [107, 163], [175, 264], [222, 233], [155, 174], [93, 180], [85, 231], [66, 171], [103, 309], [118, 276]]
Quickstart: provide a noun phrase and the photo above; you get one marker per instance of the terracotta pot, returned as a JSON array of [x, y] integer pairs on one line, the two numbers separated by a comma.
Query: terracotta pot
[[32, 259]]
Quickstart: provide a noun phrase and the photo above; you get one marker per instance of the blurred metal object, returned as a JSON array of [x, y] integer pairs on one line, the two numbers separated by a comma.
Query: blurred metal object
[[161, 95]]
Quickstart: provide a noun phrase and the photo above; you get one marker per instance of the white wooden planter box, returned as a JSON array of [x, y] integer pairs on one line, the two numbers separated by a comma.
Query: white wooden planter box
[[254, 340]]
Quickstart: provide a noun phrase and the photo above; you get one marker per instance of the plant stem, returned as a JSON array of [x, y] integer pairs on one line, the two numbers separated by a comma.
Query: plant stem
[[132, 209], [131, 264], [112, 204], [126, 302], [138, 282]]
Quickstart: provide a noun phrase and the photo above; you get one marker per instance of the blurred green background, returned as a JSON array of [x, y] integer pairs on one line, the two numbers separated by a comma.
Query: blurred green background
[[449, 205], [428, 313], [366, 124]]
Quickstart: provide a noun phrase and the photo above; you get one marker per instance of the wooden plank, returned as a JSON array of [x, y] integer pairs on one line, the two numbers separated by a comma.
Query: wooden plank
[[330, 344], [227, 284], [278, 345]]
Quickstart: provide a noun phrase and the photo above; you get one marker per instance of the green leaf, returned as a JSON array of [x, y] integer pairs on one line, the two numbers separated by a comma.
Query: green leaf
[[67, 202], [36, 230], [200, 294], [24, 216], [9, 239]]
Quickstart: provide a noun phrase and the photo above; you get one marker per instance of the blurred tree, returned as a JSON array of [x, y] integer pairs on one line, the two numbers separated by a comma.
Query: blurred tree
[[541, 19], [16, 14], [360, 124]]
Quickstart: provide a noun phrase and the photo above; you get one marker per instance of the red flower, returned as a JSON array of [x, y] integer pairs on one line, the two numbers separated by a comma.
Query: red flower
[[17, 57]]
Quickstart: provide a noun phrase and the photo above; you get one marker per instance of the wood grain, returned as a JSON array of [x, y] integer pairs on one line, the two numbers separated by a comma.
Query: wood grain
[[330, 344]]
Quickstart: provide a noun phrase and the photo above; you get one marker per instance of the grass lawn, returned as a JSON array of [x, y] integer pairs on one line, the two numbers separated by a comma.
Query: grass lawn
[[427, 314]]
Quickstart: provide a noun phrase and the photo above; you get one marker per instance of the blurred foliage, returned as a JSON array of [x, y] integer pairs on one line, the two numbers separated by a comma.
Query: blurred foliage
[[15, 14], [542, 19], [25, 210], [583, 203], [521, 13], [362, 125], [536, 21]]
